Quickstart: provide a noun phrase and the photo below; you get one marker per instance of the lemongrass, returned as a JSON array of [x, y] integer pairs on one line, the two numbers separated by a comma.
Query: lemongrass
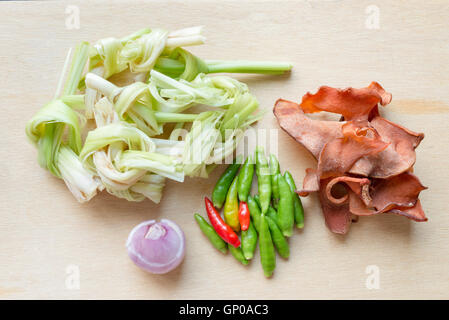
[[151, 186], [82, 183], [163, 81]]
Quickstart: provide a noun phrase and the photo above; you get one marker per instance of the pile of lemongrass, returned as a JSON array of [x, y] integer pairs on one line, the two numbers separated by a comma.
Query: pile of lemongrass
[[123, 152]]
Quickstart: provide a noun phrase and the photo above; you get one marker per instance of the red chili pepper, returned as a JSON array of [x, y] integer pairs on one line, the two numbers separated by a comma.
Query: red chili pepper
[[223, 230], [244, 215]]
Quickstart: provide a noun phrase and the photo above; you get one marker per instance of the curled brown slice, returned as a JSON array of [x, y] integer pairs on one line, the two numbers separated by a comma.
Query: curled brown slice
[[359, 140], [398, 157], [401, 191], [310, 184], [337, 216], [312, 134], [415, 213], [351, 103], [357, 186], [398, 194]]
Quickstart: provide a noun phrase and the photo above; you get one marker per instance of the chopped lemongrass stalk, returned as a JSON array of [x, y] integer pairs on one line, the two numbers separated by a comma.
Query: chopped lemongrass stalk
[[104, 112], [135, 35], [107, 88], [185, 65], [45, 130], [74, 101], [263, 67], [81, 183], [200, 142], [104, 136], [191, 31], [92, 95], [151, 186], [76, 68], [223, 149], [185, 41], [162, 80], [112, 177], [141, 54], [127, 194], [64, 71], [106, 52], [153, 162], [174, 117]]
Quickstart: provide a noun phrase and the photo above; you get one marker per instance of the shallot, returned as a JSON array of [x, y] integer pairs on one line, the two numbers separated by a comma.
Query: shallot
[[156, 247]]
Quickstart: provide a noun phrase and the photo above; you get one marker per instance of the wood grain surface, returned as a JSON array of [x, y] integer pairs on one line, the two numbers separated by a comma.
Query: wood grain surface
[[44, 231]]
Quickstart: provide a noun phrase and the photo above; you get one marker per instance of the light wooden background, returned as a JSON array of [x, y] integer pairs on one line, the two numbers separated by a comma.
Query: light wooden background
[[43, 230]]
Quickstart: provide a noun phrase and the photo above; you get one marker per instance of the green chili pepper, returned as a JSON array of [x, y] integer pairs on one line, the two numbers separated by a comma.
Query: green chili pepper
[[280, 242], [210, 233], [257, 198], [231, 207], [245, 179], [272, 213], [254, 211], [223, 184], [249, 241], [238, 255], [274, 170], [263, 179], [297, 204], [267, 253], [286, 214]]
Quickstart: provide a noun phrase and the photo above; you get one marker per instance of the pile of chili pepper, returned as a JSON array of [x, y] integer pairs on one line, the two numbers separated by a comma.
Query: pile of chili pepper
[[267, 217]]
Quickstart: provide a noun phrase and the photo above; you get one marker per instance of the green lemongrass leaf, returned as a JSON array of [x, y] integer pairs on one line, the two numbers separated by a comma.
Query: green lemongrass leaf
[[192, 64], [245, 109], [240, 101], [258, 67], [134, 102], [141, 53], [174, 117], [171, 95], [151, 186], [104, 136], [82, 183], [76, 69], [224, 149], [104, 113], [74, 101], [92, 95], [129, 95], [127, 194], [135, 35], [162, 81], [48, 146], [54, 117], [106, 52], [153, 162], [113, 178], [107, 88], [169, 65], [200, 142], [171, 147]]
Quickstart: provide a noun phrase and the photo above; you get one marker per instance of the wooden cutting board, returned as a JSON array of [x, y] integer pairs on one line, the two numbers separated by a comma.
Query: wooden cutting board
[[46, 237]]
